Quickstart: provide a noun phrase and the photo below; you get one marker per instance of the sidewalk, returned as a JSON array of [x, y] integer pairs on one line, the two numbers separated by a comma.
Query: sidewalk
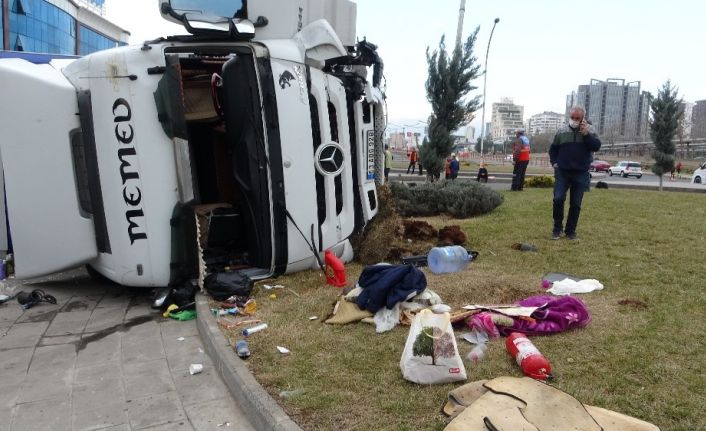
[[102, 359]]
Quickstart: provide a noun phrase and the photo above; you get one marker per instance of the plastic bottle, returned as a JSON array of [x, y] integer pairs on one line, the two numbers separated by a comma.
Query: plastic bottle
[[254, 329], [448, 259]]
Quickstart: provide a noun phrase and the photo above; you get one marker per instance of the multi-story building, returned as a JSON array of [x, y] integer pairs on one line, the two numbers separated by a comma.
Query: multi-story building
[[507, 117], [57, 27], [470, 133], [684, 130], [698, 120], [546, 122], [617, 109]]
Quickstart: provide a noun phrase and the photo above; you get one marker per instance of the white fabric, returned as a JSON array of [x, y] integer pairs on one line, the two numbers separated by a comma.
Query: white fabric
[[568, 286], [437, 360], [386, 319]]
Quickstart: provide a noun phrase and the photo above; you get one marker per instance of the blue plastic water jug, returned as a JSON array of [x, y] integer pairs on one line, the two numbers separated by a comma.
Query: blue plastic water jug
[[453, 258]]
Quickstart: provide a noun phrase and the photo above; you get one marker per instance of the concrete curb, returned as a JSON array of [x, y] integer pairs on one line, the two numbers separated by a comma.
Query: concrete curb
[[262, 411]]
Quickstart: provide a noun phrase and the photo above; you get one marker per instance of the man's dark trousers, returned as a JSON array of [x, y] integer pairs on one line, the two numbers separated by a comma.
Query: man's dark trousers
[[518, 175], [576, 182]]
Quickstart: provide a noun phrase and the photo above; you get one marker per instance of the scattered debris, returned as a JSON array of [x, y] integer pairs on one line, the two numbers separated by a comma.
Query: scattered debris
[[313, 317], [273, 296], [257, 328], [270, 287], [634, 303], [242, 349], [195, 369], [283, 350], [292, 394], [224, 424], [181, 339], [419, 230], [524, 246]]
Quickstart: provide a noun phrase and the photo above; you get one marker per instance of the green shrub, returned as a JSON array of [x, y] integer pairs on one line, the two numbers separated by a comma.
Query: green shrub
[[460, 199], [540, 182]]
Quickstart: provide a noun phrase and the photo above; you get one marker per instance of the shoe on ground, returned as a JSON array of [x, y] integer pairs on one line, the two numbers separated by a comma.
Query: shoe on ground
[[572, 237], [556, 235]]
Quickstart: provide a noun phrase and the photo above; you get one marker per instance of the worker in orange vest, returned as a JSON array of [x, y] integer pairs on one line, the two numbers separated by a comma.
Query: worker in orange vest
[[520, 159], [413, 157]]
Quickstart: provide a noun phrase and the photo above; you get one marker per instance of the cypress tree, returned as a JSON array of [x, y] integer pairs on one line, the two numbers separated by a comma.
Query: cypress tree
[[449, 82], [663, 127]]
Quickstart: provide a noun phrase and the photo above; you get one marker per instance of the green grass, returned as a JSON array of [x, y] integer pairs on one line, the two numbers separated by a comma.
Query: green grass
[[648, 363]]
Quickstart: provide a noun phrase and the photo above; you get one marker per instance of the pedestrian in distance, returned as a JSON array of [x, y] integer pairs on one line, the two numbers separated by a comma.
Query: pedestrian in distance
[[413, 157], [678, 167], [570, 155], [454, 167], [388, 162], [482, 176], [520, 159]]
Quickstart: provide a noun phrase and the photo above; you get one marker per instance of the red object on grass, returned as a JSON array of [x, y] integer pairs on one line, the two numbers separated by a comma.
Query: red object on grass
[[532, 363], [335, 270]]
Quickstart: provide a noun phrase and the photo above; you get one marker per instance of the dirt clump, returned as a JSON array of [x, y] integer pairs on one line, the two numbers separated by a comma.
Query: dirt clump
[[451, 235], [419, 230]]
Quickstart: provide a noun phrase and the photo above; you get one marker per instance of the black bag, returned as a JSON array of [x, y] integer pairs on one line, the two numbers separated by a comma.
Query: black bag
[[222, 285]]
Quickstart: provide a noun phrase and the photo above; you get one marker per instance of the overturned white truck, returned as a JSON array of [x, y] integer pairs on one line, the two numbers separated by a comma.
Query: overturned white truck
[[254, 142]]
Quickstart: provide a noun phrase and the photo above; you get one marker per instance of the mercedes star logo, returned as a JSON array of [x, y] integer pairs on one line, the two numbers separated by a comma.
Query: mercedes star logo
[[329, 159]]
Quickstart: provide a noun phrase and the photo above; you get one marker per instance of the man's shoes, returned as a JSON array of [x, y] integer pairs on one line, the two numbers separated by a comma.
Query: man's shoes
[[556, 235], [572, 236]]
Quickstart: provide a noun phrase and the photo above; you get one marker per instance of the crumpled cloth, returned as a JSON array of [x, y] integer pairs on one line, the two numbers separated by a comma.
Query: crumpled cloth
[[568, 286], [555, 314], [386, 285]]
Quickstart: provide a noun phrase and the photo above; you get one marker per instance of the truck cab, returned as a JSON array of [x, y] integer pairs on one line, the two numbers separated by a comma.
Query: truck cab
[[254, 142]]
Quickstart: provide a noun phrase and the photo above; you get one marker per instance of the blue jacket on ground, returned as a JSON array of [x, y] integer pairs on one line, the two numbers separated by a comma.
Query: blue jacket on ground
[[571, 150], [386, 285]]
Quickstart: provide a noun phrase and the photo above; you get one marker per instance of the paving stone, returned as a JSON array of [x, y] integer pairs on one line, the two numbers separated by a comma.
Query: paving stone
[[23, 335], [68, 323], [124, 427], [155, 410], [141, 349], [42, 312], [147, 378], [99, 351], [104, 318], [15, 361], [10, 312], [82, 302], [96, 374], [62, 356], [172, 426], [208, 415], [5, 418], [98, 405], [181, 354], [174, 329], [205, 386], [59, 339], [52, 415], [11, 386], [52, 384]]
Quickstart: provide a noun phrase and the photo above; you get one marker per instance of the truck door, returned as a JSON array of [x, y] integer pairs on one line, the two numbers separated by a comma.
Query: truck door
[[44, 163]]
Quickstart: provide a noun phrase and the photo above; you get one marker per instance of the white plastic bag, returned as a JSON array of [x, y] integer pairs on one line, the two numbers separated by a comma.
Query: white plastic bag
[[430, 354]]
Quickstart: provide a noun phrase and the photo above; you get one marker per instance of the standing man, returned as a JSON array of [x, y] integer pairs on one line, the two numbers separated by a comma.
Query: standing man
[[413, 156], [520, 159], [388, 162], [570, 155], [454, 167]]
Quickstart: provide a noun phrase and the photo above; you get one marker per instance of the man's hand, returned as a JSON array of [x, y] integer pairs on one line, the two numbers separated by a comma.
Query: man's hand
[[583, 127]]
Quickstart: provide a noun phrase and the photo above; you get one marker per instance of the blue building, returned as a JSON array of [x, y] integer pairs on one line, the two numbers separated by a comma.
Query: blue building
[[57, 27]]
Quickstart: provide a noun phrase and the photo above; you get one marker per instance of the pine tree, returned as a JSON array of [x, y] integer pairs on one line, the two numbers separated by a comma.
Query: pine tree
[[449, 82], [663, 127]]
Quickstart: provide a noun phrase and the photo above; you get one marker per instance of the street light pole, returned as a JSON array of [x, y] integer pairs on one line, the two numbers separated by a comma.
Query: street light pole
[[485, 81]]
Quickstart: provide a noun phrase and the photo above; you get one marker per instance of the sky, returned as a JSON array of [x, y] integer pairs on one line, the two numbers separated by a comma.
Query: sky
[[541, 50]]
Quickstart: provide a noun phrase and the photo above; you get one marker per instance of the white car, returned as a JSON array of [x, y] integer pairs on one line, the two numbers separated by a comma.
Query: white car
[[699, 176], [626, 168]]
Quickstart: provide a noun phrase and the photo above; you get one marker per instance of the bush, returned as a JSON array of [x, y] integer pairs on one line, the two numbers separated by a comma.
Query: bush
[[540, 182], [460, 199]]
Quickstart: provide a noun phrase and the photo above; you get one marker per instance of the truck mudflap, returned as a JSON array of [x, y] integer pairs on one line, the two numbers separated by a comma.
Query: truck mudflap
[[43, 159]]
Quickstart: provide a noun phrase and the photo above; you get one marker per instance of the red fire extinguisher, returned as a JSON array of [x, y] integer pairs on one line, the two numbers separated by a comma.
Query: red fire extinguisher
[[532, 363], [335, 270]]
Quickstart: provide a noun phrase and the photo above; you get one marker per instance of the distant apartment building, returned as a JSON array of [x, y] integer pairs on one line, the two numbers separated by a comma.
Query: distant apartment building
[[398, 140], [470, 133], [698, 120], [617, 109], [507, 117], [546, 122], [684, 131]]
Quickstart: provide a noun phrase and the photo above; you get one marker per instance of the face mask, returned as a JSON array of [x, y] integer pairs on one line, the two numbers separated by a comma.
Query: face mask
[[574, 124]]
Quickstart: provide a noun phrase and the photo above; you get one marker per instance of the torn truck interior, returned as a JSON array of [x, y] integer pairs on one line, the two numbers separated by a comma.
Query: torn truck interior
[[254, 143]]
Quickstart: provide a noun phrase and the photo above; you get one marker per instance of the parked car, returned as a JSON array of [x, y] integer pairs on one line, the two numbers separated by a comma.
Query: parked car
[[699, 176], [599, 166], [626, 169]]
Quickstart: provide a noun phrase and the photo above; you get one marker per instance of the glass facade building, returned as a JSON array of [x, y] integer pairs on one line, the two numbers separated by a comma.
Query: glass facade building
[[41, 26]]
